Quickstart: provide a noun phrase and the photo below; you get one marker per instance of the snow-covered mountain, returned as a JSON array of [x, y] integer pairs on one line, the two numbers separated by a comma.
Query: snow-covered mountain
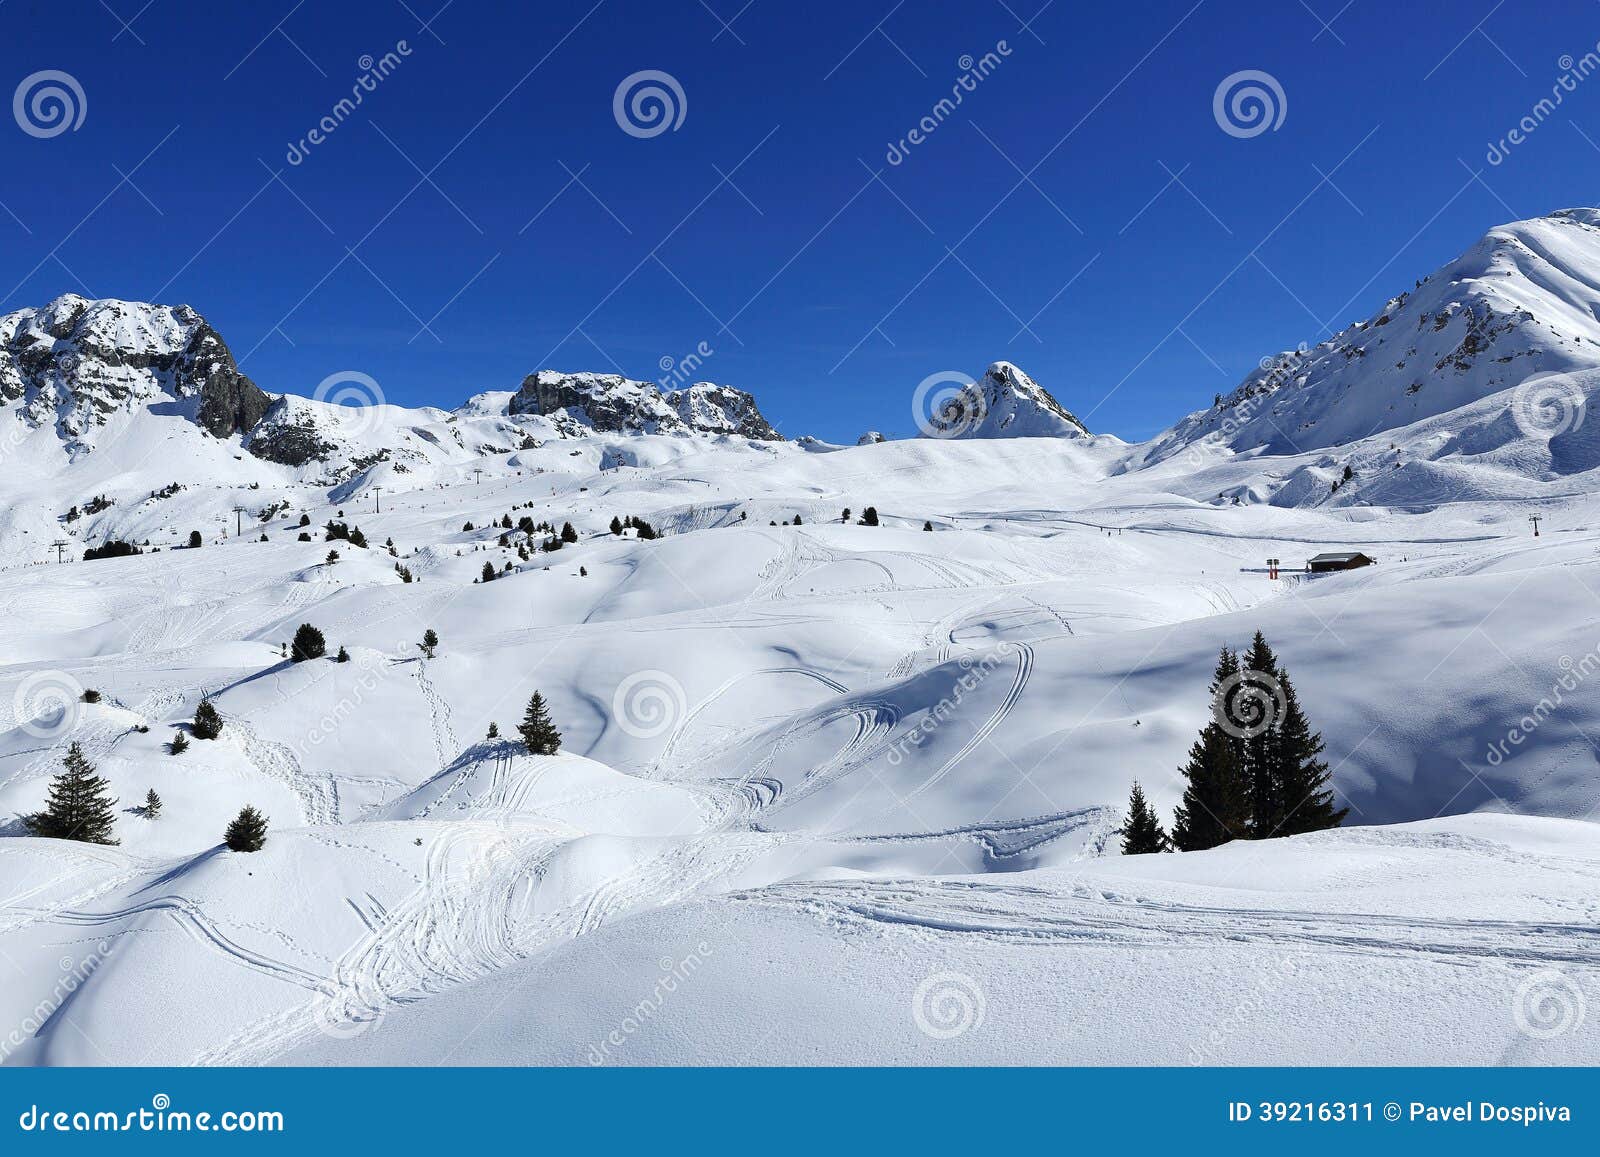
[[1522, 302], [75, 363], [1004, 403]]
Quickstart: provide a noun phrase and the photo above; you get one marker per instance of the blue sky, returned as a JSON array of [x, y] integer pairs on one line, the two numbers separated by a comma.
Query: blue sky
[[482, 214]]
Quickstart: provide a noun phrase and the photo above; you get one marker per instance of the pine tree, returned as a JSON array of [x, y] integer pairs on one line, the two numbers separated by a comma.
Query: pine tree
[[869, 516], [1216, 804], [308, 644], [1260, 667], [342, 657], [616, 525], [568, 534], [1302, 778], [1142, 832], [195, 541], [78, 806], [538, 732], [430, 640], [846, 517], [927, 526], [488, 575], [247, 832], [207, 723], [494, 731], [152, 805], [1216, 801], [179, 744]]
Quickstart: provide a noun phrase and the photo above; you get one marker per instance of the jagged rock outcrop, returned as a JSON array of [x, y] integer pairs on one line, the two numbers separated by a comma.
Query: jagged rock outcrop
[[77, 362], [609, 403], [290, 435]]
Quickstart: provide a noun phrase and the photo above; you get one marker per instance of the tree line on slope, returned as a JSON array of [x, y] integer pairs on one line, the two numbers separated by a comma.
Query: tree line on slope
[[1254, 772]]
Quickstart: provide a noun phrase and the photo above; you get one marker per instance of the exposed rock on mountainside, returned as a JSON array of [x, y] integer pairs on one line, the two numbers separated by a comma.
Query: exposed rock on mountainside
[[609, 403], [76, 362]]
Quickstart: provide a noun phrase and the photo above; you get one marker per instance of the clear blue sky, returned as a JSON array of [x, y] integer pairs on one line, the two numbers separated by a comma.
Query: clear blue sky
[[1148, 261]]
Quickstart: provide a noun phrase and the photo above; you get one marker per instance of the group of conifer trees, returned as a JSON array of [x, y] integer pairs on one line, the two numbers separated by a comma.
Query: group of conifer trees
[[79, 807], [1253, 773]]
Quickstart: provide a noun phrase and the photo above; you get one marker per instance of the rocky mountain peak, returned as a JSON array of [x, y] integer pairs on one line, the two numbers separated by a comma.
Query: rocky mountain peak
[[1522, 301], [77, 362], [1004, 403], [581, 403]]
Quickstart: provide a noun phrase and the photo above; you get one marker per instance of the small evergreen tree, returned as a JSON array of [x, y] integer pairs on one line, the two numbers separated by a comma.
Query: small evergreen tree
[[1141, 831], [430, 640], [537, 730], [333, 557], [90, 695], [308, 644], [207, 723], [568, 534], [494, 731], [616, 525], [488, 575], [179, 744], [79, 807], [195, 541], [152, 805], [869, 516], [342, 657], [797, 520], [305, 520], [927, 526], [247, 832], [846, 515]]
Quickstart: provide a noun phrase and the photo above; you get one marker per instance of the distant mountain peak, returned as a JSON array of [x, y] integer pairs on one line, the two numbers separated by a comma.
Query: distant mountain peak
[[1004, 403], [579, 403]]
